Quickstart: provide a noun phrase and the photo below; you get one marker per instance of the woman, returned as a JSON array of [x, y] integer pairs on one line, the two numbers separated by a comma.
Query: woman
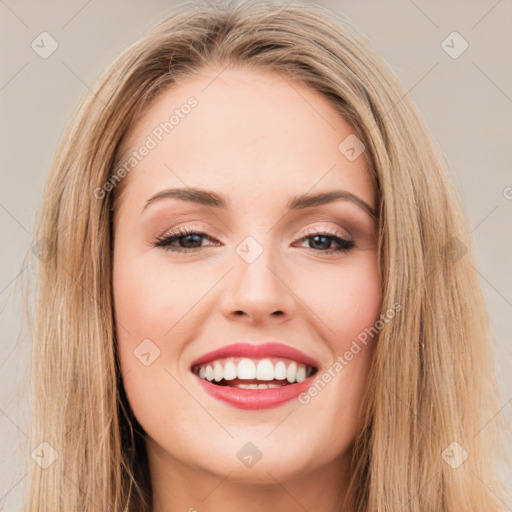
[[259, 292]]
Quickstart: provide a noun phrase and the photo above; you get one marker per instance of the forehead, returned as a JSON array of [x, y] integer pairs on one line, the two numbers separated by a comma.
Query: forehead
[[243, 131]]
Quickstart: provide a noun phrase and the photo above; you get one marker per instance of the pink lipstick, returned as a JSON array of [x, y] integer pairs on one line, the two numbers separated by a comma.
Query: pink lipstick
[[255, 376]]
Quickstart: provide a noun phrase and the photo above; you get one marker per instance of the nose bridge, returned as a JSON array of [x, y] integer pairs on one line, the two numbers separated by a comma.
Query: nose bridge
[[257, 287]]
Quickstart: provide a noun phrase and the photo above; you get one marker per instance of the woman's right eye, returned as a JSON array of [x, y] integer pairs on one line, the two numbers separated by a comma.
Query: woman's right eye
[[187, 238]]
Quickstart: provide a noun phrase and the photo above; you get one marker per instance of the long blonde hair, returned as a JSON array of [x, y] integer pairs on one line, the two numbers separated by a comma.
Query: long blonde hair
[[431, 391]]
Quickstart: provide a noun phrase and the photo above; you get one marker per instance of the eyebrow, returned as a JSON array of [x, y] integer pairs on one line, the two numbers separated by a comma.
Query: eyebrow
[[216, 200]]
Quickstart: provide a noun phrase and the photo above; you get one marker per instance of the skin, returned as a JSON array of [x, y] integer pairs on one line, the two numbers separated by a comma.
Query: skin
[[259, 139]]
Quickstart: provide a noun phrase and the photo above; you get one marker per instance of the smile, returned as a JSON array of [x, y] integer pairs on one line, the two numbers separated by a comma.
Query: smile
[[248, 373], [255, 376]]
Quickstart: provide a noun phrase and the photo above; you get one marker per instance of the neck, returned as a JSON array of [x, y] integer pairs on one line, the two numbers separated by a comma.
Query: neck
[[177, 487]]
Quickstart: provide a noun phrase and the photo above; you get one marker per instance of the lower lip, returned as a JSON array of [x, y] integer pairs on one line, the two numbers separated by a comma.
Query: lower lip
[[253, 399]]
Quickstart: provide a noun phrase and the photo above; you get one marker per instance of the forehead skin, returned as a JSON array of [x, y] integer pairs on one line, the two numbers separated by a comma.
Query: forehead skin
[[260, 135]]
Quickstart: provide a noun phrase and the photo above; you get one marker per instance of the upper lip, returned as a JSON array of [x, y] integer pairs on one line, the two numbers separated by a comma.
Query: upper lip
[[244, 349]]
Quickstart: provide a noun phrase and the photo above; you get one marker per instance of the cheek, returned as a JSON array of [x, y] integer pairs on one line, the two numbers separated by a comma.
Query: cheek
[[150, 297], [156, 306], [347, 302], [142, 313], [148, 301], [141, 298], [346, 299]]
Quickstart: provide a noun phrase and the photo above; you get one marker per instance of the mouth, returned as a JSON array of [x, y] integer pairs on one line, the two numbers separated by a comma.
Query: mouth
[[255, 376], [245, 373]]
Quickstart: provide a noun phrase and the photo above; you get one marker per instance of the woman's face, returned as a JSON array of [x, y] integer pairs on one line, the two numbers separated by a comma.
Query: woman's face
[[251, 265]]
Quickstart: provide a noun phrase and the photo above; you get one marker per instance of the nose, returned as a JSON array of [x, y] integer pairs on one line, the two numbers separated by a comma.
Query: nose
[[258, 291]]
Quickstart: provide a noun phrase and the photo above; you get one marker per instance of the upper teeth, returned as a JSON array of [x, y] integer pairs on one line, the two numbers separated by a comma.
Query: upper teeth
[[254, 369]]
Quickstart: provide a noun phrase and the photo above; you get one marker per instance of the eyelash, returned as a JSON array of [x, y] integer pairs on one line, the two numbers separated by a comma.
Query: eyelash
[[165, 241]]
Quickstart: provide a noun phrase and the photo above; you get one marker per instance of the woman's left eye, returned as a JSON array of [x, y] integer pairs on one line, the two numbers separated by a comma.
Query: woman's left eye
[[320, 240], [191, 241]]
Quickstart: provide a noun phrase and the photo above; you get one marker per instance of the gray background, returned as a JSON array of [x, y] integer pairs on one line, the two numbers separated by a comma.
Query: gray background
[[466, 101]]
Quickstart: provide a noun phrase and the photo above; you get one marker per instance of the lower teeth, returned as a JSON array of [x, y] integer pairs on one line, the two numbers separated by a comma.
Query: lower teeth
[[257, 386], [252, 385]]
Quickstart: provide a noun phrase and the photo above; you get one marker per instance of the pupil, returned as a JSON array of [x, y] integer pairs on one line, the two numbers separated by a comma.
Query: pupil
[[193, 237], [324, 245]]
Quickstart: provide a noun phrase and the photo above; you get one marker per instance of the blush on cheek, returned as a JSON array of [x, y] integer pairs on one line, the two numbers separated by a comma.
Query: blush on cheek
[[348, 304]]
